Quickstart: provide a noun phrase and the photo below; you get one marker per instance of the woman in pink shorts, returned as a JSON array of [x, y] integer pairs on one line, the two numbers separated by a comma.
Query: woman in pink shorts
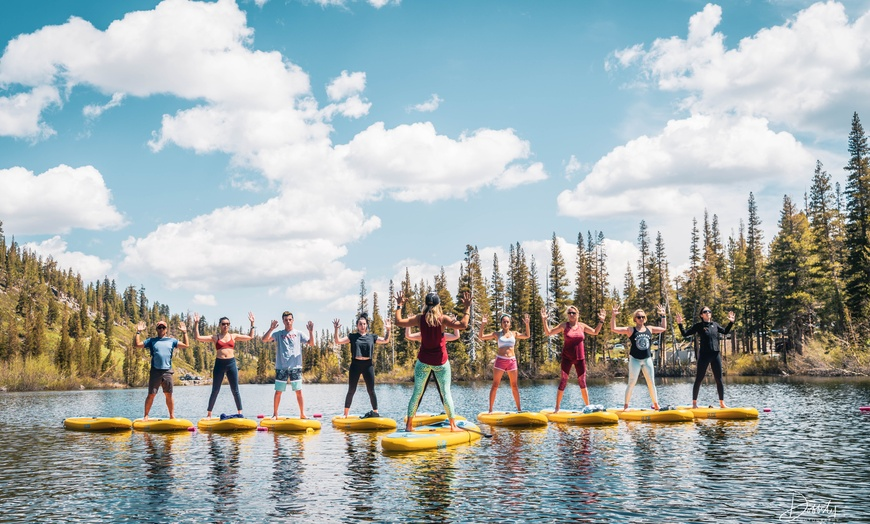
[[506, 360]]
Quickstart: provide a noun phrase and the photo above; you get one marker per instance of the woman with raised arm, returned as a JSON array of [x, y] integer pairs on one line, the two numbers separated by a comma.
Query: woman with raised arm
[[708, 333], [362, 349], [505, 359], [640, 355], [448, 337], [225, 358], [433, 349], [573, 352]]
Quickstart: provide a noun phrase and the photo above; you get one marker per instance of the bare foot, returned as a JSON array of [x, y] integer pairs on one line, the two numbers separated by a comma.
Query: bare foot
[[302, 416], [408, 428], [722, 404], [274, 417], [694, 405], [145, 417], [656, 407]]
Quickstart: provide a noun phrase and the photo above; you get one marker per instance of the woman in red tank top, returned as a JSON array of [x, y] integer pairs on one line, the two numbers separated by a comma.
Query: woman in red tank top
[[432, 356], [573, 352]]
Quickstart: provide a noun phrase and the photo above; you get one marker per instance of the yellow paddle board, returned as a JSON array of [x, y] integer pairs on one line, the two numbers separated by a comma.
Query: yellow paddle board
[[97, 423], [512, 418], [567, 416], [435, 436], [723, 413], [425, 419], [229, 424], [357, 423], [162, 424], [290, 424], [651, 415]]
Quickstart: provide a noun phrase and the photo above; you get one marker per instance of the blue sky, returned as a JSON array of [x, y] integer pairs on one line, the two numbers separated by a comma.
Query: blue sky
[[234, 156]]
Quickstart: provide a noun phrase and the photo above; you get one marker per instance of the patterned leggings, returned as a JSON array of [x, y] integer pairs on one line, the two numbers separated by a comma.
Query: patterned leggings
[[442, 378]]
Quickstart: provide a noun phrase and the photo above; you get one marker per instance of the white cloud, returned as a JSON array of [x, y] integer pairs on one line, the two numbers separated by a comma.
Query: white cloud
[[346, 85], [692, 164], [427, 106], [573, 166], [381, 3], [91, 268], [793, 74], [204, 300], [56, 201], [93, 111], [20, 115], [414, 163]]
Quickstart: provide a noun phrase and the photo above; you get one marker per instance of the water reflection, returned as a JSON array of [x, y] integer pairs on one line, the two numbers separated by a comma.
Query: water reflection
[[158, 468], [224, 451], [577, 465], [288, 469], [427, 478], [362, 454]]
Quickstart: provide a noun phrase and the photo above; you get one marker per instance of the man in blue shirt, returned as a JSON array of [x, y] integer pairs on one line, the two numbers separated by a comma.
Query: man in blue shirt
[[161, 347]]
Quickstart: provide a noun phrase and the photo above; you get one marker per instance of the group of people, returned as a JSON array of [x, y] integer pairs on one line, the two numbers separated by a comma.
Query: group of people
[[432, 357]]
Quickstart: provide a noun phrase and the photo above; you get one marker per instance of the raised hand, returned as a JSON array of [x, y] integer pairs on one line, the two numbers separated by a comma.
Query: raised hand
[[336, 323], [544, 313], [466, 299], [196, 318], [602, 315], [679, 318], [731, 316], [615, 310], [660, 309], [251, 317], [526, 318], [182, 326], [273, 325], [400, 298], [310, 325], [140, 326]]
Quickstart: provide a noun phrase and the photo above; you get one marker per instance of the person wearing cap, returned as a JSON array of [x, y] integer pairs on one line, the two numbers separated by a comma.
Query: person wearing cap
[[432, 355], [505, 359], [288, 358], [573, 351], [448, 337], [161, 347], [708, 336], [225, 358]]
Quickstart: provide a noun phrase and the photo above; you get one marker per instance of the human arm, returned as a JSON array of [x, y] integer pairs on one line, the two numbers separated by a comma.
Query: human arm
[[250, 335], [310, 326], [451, 322], [196, 335], [731, 318], [613, 327], [660, 309], [528, 333], [335, 338], [388, 329], [412, 336], [450, 337], [481, 335], [267, 336], [401, 321], [546, 325], [183, 343], [601, 316], [137, 343]]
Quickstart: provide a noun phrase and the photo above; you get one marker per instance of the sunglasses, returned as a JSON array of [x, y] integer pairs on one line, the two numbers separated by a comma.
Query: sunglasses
[[639, 317], [225, 323], [572, 312], [161, 327], [706, 311]]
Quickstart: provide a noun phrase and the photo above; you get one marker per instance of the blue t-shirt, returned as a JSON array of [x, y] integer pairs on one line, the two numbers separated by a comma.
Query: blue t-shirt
[[161, 351], [289, 351]]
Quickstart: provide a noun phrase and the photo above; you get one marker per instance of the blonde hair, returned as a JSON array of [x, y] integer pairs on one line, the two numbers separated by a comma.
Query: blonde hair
[[575, 308], [433, 315], [636, 311]]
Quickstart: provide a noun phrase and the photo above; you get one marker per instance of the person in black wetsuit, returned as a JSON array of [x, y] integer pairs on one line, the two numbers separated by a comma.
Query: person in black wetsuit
[[708, 333]]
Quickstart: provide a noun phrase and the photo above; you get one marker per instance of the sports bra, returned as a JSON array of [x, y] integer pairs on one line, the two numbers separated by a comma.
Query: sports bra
[[506, 342], [229, 344]]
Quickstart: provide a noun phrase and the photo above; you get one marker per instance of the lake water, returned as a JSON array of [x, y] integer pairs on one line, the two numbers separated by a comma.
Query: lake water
[[805, 461]]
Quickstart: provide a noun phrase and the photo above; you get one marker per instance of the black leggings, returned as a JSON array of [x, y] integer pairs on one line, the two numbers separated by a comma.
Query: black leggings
[[366, 368], [714, 360], [225, 366]]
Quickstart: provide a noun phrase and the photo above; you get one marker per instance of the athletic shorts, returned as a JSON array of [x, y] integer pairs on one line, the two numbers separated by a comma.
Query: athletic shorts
[[292, 375], [160, 377], [505, 363]]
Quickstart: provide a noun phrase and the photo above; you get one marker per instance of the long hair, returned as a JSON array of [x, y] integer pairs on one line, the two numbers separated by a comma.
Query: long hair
[[433, 315]]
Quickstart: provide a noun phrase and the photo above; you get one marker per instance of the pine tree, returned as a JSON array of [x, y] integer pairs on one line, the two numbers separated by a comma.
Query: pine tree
[[63, 355], [643, 266], [363, 304], [557, 283], [857, 264], [756, 289]]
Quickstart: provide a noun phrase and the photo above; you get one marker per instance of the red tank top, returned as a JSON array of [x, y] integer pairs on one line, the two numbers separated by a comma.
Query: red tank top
[[220, 344], [573, 345], [433, 345]]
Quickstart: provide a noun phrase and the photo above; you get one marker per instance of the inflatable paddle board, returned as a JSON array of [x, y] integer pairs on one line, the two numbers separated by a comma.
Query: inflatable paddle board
[[229, 424], [97, 423], [433, 436], [290, 424], [356, 423], [162, 424], [651, 415], [723, 413], [512, 418], [579, 417], [424, 419]]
